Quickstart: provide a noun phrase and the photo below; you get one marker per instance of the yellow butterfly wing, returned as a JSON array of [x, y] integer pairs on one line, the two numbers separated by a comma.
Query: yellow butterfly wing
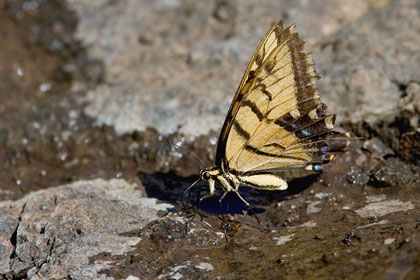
[[276, 118], [267, 44]]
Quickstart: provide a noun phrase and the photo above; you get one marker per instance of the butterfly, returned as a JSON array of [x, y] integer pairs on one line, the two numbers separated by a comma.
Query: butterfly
[[276, 120]]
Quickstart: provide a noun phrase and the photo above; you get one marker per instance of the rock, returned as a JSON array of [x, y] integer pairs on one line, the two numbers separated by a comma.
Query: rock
[[54, 233], [410, 146], [283, 239], [377, 148], [366, 65], [180, 74], [382, 208], [370, 77], [313, 207], [9, 221], [394, 173]]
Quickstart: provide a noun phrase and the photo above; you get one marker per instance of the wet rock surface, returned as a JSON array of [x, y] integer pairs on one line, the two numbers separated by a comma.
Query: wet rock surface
[[134, 90]]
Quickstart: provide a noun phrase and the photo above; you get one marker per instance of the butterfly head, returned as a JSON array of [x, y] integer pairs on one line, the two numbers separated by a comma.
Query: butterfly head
[[210, 175]]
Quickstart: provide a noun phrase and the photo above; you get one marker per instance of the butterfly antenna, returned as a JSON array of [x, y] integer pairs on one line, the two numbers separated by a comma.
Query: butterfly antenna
[[192, 185], [199, 159]]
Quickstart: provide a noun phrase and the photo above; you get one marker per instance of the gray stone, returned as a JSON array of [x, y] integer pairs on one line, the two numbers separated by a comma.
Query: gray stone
[[8, 225], [175, 65], [366, 64], [382, 208], [58, 230]]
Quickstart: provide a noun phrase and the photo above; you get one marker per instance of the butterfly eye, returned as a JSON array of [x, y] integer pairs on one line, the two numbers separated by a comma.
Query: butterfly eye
[[206, 176]]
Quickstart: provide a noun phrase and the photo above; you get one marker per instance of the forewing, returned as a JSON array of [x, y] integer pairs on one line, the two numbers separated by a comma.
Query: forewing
[[264, 49], [276, 118]]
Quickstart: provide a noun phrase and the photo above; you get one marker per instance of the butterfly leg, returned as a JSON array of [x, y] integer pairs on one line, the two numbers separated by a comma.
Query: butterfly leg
[[237, 193], [223, 196], [206, 196], [243, 199]]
